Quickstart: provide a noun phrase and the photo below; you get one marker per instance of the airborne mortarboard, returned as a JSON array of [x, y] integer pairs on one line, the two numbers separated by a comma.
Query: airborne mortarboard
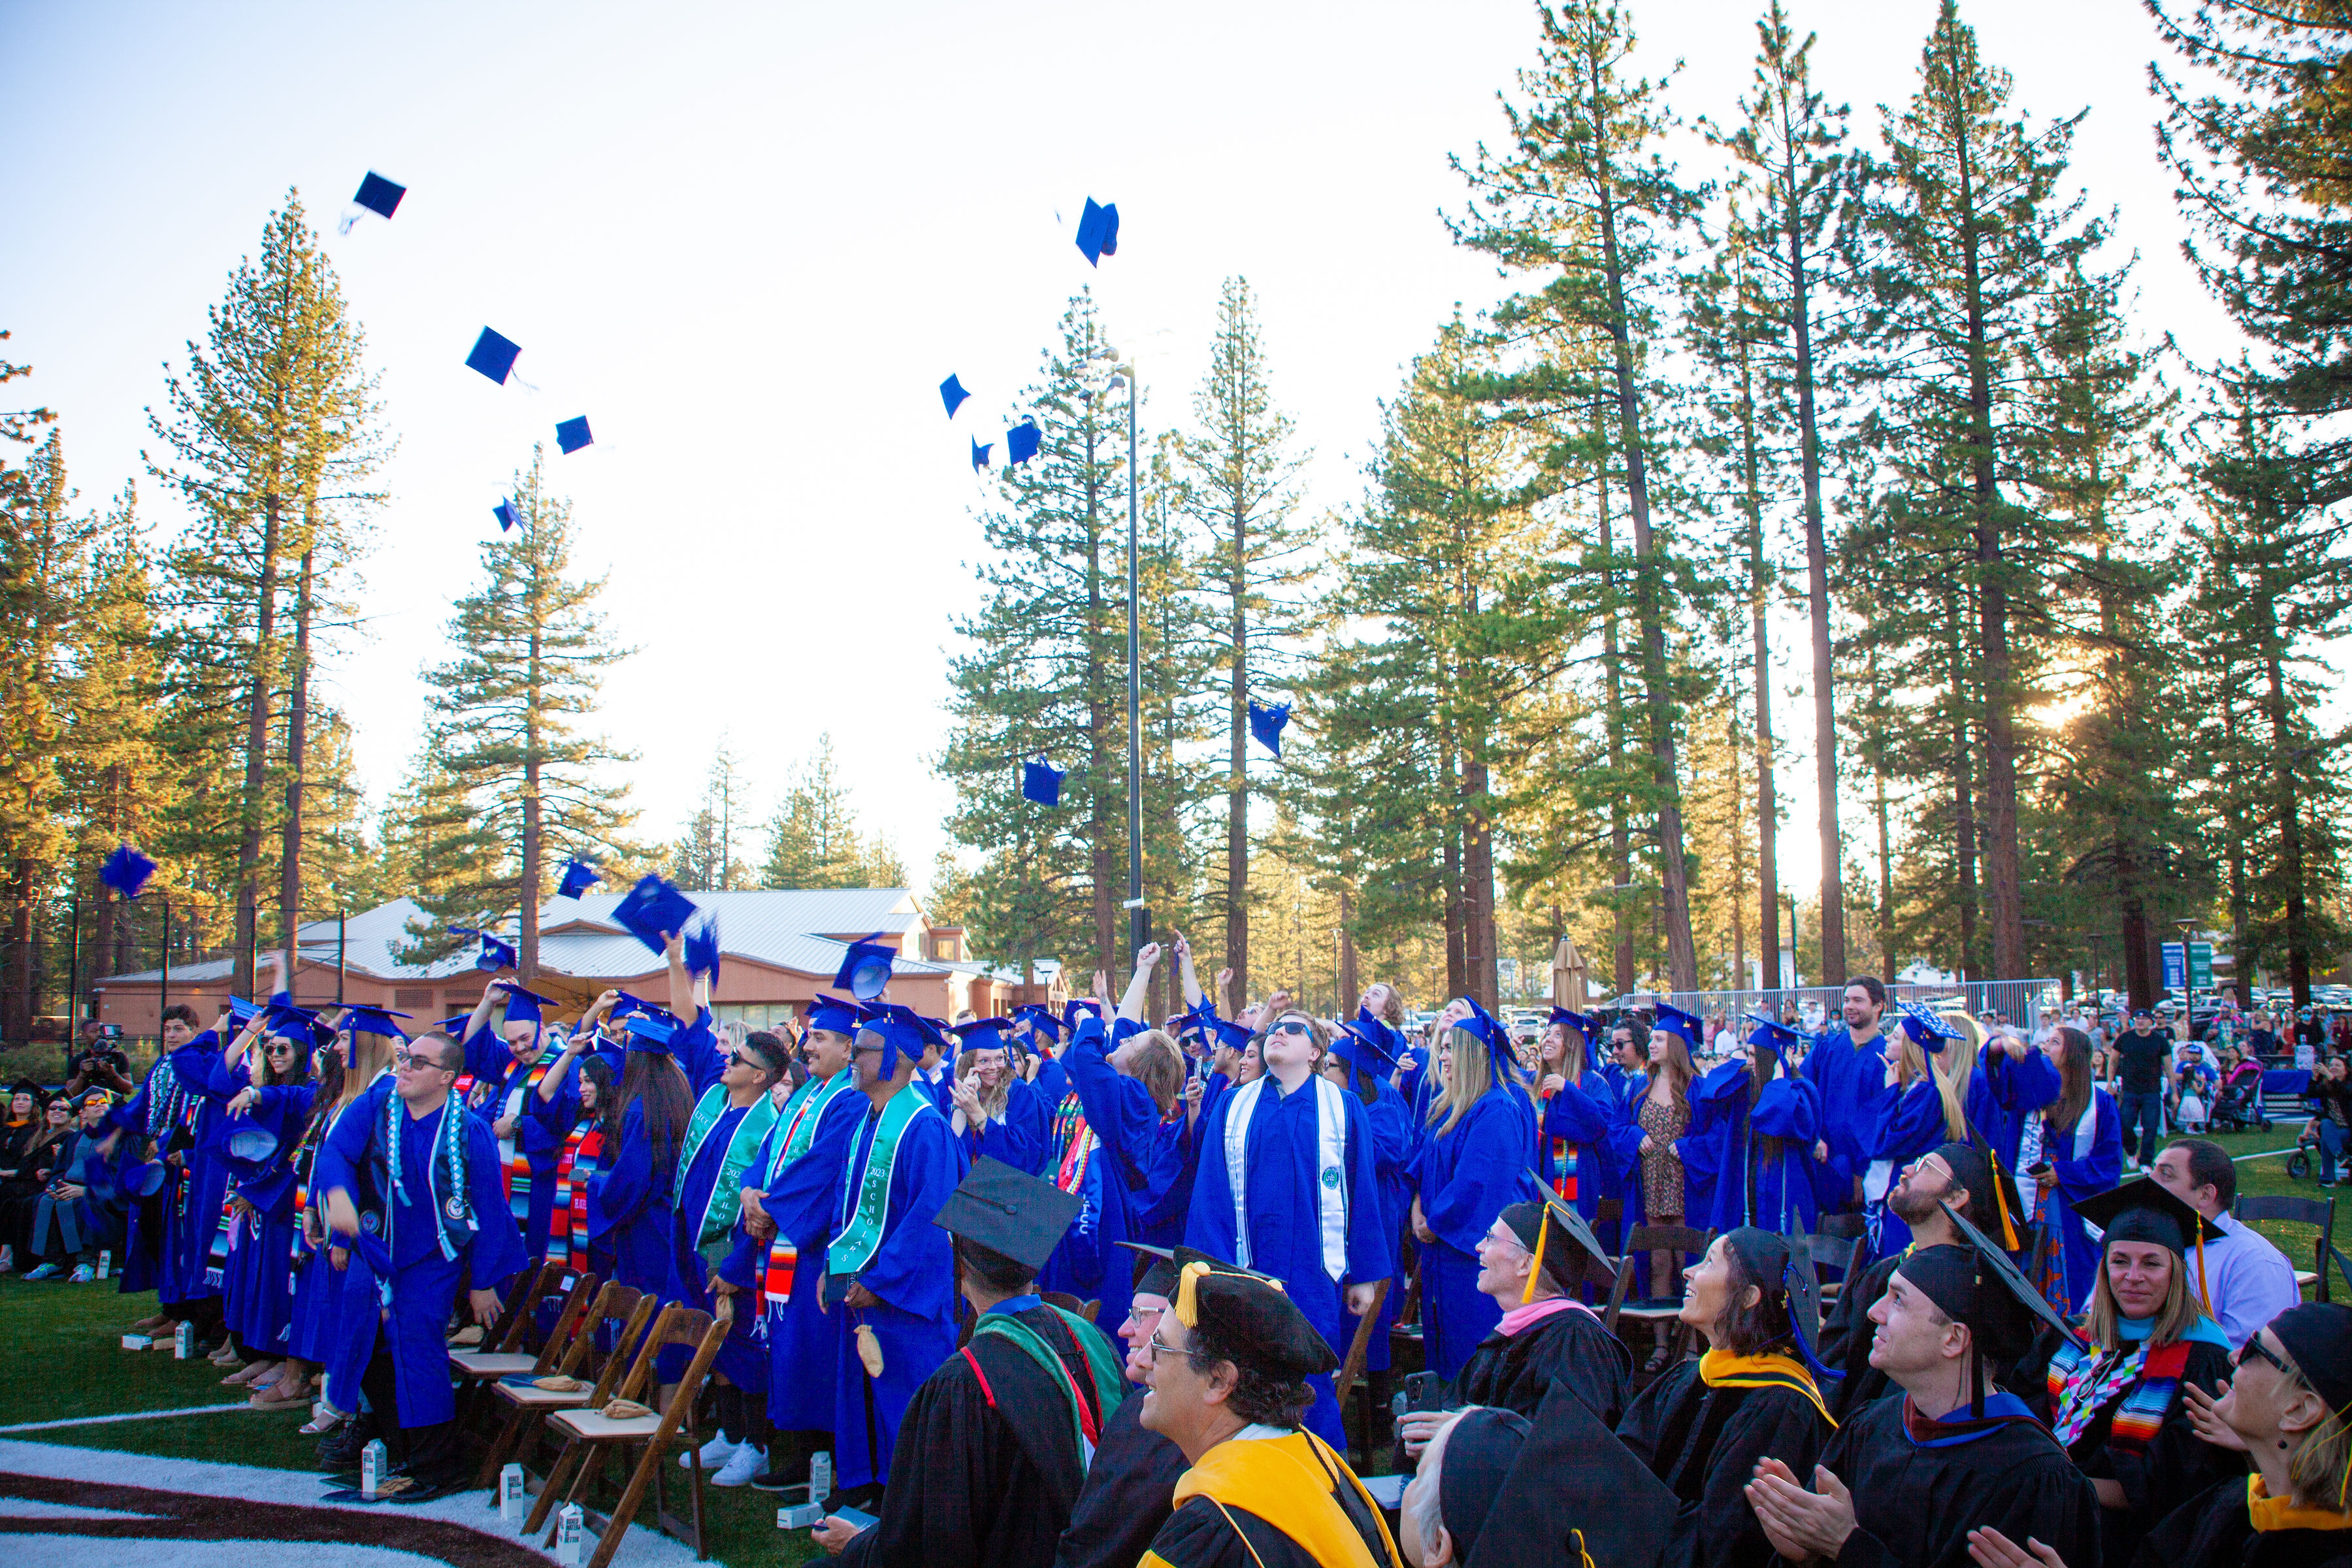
[[493, 355], [1251, 1312], [652, 911], [1021, 442], [980, 451], [571, 435], [1926, 1029], [379, 196], [1772, 1035], [1267, 721], [982, 1035], [1159, 1278], [702, 946], [865, 969], [835, 1015], [579, 876], [953, 393], [1041, 781], [1008, 1211], [126, 870], [1674, 1021], [505, 513], [1098, 231], [523, 1006], [367, 1018]]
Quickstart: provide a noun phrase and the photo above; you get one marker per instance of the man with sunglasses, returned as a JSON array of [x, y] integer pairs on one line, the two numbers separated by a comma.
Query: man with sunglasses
[[411, 1180]]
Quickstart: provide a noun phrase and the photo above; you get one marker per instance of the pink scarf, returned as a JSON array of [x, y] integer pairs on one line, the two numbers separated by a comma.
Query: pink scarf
[[1534, 1312]]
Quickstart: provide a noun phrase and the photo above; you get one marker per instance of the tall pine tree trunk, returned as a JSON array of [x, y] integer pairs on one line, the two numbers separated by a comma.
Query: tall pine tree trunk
[[1964, 808], [298, 721], [1739, 861], [1478, 883], [1621, 847], [1817, 579], [1886, 836], [1237, 778], [256, 755], [1348, 988], [2286, 802], [1457, 966]]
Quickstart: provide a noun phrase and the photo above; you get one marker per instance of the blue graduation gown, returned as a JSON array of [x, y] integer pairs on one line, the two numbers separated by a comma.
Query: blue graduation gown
[[424, 1284], [2003, 1092], [1088, 1262], [1018, 1137], [260, 1281], [1850, 1080], [628, 1208], [743, 1364], [1281, 1157], [912, 1275], [802, 1198], [1467, 1176], [1750, 1187], [335, 1309], [1144, 1158], [1394, 1146], [2083, 1172], [143, 1242], [540, 1130], [1574, 1133]]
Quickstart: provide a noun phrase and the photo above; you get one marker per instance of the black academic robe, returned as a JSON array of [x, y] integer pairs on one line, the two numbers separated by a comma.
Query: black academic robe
[[1570, 1349], [986, 1465], [1129, 1489], [1203, 1533], [1704, 1443], [2212, 1531], [1914, 1506], [2175, 1464], [1846, 1329]]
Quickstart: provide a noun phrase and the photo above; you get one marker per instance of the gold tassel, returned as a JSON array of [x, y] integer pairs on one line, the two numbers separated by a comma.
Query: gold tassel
[[1535, 1265]]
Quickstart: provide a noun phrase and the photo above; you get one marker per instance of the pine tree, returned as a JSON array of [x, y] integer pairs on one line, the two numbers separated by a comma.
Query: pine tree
[[814, 840], [1584, 200], [531, 655], [271, 433], [1240, 474], [705, 859]]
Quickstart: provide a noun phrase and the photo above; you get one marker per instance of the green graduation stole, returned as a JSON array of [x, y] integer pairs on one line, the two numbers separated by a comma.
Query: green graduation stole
[[1109, 1377], [800, 1115], [861, 1238], [727, 1191]]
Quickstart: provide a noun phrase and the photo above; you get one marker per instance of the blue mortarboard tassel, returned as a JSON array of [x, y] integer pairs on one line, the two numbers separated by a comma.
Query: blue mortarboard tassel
[[505, 513], [953, 393], [1098, 231], [579, 876], [865, 968], [652, 908], [573, 434], [702, 947], [980, 451], [493, 355], [379, 196], [126, 870], [1267, 723], [1041, 781], [1021, 442]]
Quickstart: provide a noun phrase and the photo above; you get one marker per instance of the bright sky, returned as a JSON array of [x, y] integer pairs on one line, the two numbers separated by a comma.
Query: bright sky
[[748, 242]]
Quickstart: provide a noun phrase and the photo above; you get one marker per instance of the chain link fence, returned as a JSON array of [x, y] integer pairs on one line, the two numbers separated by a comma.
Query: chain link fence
[[2018, 1002]]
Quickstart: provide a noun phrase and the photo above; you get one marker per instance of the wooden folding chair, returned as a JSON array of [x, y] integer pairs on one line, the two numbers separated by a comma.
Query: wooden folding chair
[[505, 1336], [525, 1409], [588, 1433], [1650, 1309], [2316, 1212]]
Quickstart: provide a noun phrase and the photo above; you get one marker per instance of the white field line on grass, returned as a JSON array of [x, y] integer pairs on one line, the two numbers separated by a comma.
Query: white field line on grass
[[133, 1415]]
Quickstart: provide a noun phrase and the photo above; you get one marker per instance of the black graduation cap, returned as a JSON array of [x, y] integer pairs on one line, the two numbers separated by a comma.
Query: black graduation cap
[[702, 946], [1160, 1279], [370, 1019], [505, 513], [1554, 1232], [652, 908], [1480, 1450], [2146, 1210], [1021, 442], [493, 355], [1098, 231], [1008, 1211], [2004, 1297], [1575, 1488], [953, 393], [1041, 781], [1251, 1312], [126, 870], [571, 435], [2317, 1336], [579, 876], [865, 968], [980, 451], [379, 196], [1266, 722], [523, 1006]]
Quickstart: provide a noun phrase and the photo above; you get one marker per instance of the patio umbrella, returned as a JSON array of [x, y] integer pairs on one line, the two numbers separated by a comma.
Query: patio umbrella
[[1568, 976]]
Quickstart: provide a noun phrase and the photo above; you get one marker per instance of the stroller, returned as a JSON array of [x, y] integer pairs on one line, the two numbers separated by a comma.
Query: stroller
[[2238, 1103]]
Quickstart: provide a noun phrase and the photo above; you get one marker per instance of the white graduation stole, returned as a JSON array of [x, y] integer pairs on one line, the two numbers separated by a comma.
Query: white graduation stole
[[1330, 1168]]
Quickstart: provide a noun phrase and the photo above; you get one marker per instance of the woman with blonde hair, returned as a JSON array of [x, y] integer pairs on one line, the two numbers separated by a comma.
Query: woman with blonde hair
[[1922, 1105], [1472, 1164]]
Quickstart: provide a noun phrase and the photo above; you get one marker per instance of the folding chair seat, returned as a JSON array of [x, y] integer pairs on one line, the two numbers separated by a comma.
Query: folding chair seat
[[524, 1408]]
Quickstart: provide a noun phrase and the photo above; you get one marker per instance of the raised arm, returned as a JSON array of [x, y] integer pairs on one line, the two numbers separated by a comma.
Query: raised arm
[[1185, 974], [1130, 1002]]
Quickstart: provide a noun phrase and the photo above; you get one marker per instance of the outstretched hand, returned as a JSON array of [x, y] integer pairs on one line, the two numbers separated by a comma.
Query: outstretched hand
[[1988, 1548], [2205, 1415]]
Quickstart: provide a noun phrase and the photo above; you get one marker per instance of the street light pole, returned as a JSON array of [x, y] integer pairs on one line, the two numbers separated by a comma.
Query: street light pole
[[1138, 919]]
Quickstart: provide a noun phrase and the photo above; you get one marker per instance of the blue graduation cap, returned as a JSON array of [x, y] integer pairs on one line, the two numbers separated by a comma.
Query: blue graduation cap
[[865, 968], [982, 1035], [935, 1032], [1098, 231], [142, 1178], [379, 196], [1771, 1034], [702, 946], [835, 1015], [523, 1006], [980, 451], [1489, 1029], [1039, 1021], [1363, 1048], [572, 435], [493, 355], [1927, 1029], [126, 870], [1674, 1021], [579, 876], [495, 954], [301, 1025], [648, 1032], [1021, 442], [1266, 723], [1587, 1028], [368, 1019], [1041, 781], [249, 1147], [953, 393], [505, 513], [901, 1031], [241, 1012], [455, 1027], [651, 909]]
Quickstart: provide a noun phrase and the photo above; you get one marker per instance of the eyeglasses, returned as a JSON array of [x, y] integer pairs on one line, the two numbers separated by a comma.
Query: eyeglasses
[[1291, 1026], [2254, 1347], [1155, 1345]]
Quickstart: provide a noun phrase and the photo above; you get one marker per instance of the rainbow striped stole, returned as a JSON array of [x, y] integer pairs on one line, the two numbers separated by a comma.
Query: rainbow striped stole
[[2082, 1385]]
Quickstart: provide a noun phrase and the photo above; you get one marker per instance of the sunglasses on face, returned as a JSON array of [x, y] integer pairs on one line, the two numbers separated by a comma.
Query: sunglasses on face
[[1291, 1026], [2254, 1347]]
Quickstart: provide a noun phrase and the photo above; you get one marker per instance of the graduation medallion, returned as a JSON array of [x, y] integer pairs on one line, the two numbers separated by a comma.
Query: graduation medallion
[[454, 1207]]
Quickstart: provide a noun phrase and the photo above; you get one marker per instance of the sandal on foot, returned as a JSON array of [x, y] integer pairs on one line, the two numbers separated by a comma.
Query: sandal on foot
[[1657, 1361]]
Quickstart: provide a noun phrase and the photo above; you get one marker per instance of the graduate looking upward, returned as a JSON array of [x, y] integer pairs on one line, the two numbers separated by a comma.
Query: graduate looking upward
[[1134, 1099], [1361, 1062], [511, 1066], [1288, 1186]]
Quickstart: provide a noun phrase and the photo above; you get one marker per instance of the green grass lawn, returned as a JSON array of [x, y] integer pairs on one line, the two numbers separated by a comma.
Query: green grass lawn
[[66, 1340]]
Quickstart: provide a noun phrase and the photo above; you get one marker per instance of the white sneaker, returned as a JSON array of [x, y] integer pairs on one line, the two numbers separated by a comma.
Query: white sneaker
[[715, 1453], [748, 1461], [83, 1274]]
